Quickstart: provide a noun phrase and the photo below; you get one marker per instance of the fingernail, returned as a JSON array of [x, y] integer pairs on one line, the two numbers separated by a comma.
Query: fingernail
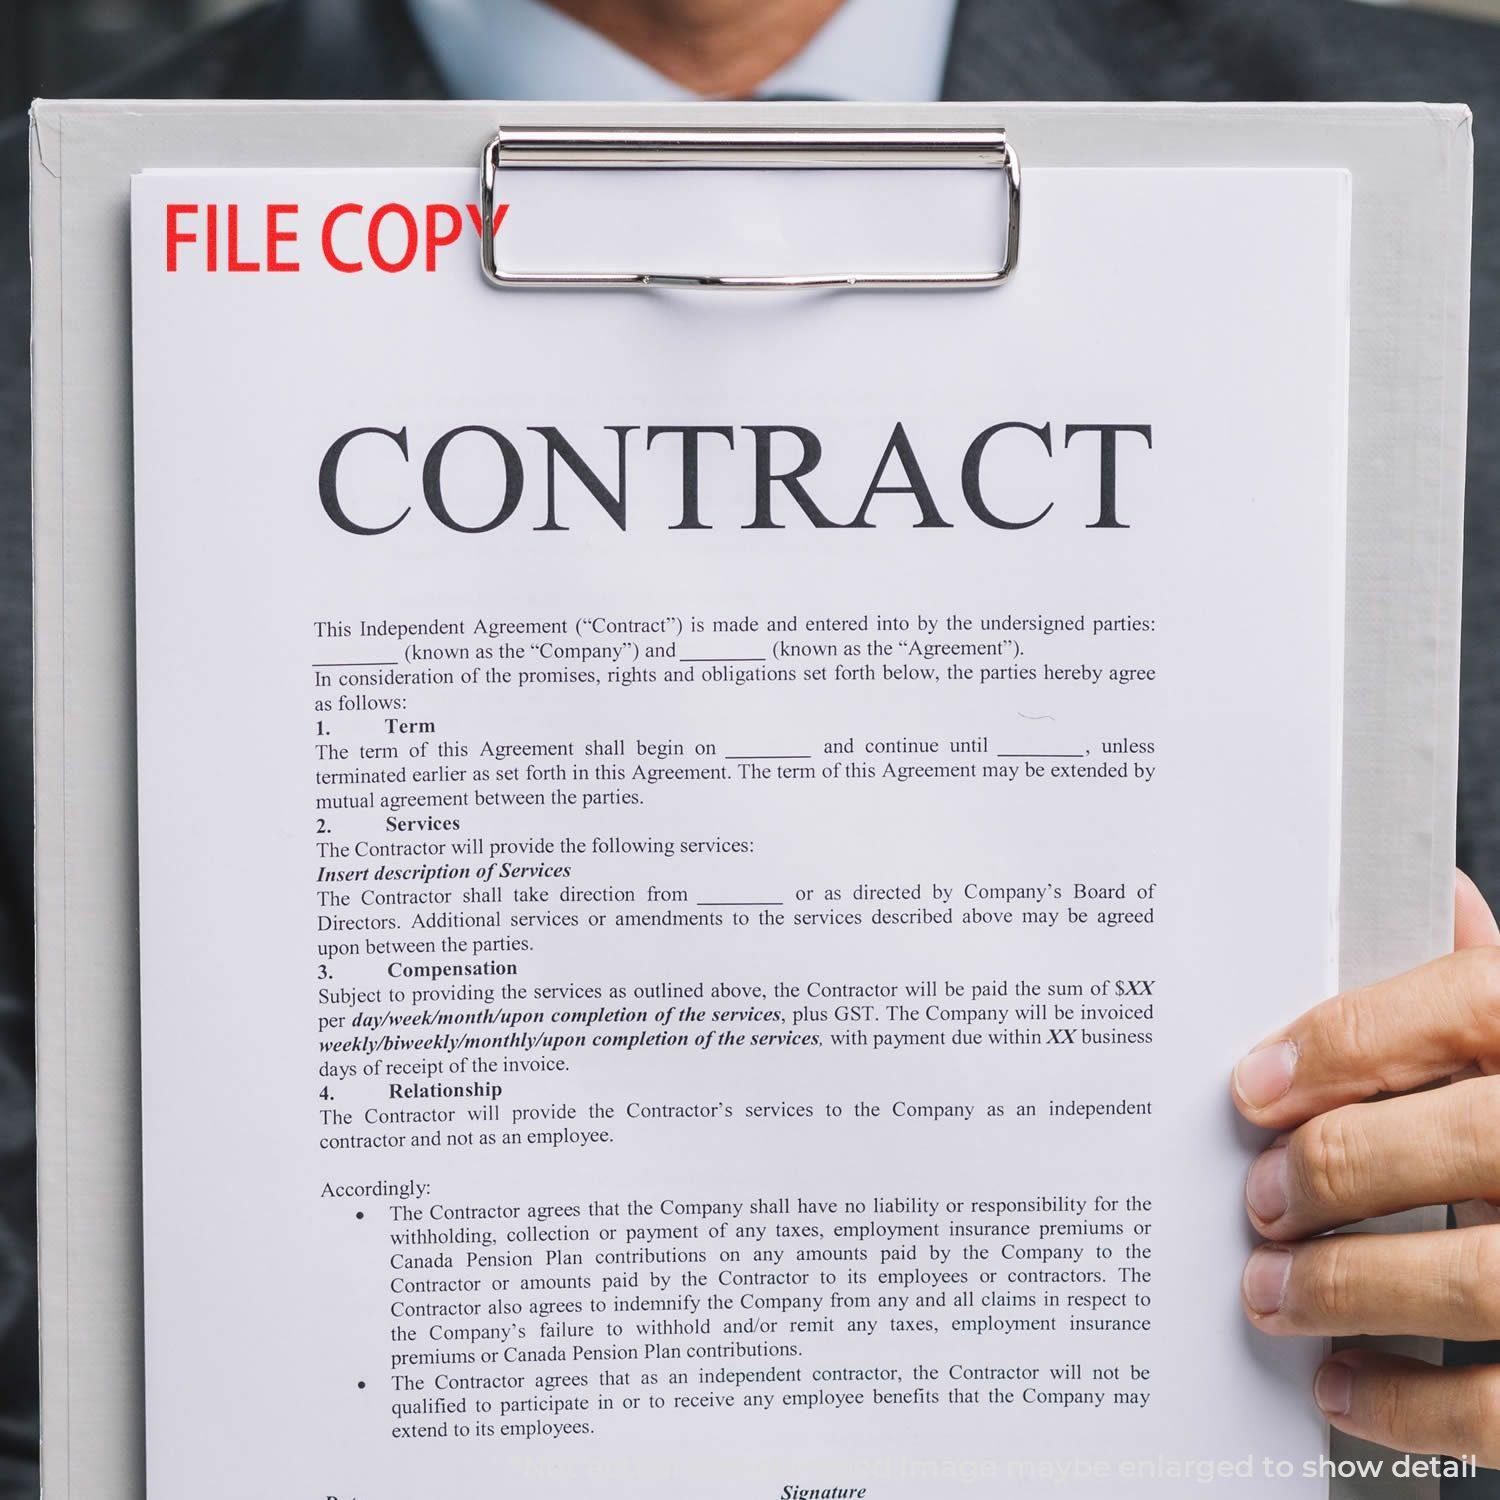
[[1265, 1188], [1264, 1076], [1266, 1276], [1333, 1389]]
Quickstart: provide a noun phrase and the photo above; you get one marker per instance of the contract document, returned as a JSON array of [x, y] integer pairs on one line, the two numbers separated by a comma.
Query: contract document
[[705, 857]]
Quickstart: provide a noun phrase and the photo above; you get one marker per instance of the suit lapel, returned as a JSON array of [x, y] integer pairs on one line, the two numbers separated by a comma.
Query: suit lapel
[[335, 49], [1083, 49], [1021, 49]]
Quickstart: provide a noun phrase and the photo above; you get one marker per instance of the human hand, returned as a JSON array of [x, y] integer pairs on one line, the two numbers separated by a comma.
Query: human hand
[[1346, 1155]]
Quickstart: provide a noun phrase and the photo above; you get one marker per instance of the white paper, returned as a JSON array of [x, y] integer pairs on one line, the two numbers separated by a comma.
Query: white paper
[[1209, 306]]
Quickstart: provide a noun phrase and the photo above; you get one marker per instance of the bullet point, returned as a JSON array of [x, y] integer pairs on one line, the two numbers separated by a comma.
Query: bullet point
[[361, 1385], [359, 1216]]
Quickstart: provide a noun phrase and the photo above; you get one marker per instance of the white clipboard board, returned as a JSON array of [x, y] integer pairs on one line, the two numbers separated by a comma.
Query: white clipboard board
[[1411, 168]]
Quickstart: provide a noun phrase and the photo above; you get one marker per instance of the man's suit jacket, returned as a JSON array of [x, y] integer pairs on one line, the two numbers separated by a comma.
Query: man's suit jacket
[[1002, 49]]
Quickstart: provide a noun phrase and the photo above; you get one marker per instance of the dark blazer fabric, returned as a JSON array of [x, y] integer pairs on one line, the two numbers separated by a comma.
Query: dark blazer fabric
[[1002, 49]]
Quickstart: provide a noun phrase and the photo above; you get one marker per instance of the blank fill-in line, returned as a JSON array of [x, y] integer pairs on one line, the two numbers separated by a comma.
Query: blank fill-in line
[[740, 903], [322, 665], [1042, 755], [768, 757], [686, 660]]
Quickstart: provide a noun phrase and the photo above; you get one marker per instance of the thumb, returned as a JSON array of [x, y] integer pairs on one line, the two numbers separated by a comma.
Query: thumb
[[1473, 927], [1474, 923]]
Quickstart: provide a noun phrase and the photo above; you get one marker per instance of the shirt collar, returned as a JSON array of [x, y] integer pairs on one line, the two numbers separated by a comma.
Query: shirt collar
[[523, 49]]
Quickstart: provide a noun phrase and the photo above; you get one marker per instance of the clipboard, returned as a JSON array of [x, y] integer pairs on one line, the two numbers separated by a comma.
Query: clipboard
[[1411, 172]]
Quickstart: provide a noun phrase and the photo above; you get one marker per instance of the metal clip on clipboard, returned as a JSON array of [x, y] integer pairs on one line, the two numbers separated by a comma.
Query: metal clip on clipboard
[[773, 147]]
